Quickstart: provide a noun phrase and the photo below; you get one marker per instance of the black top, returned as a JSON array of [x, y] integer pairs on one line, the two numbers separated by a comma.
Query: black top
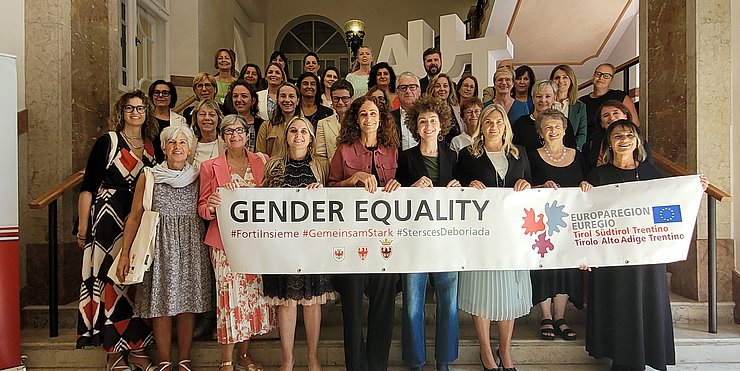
[[525, 134], [411, 166], [322, 112], [570, 175], [470, 168], [610, 174], [158, 153], [592, 108], [592, 149], [97, 172]]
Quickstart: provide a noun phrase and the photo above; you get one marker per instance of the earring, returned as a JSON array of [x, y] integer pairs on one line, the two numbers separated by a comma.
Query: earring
[[440, 138]]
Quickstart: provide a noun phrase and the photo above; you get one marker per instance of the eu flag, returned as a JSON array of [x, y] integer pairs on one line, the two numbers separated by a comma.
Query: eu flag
[[667, 214]]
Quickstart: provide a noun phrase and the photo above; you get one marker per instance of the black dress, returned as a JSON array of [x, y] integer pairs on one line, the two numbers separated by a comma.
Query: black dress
[[593, 126], [629, 310], [525, 134], [550, 282]]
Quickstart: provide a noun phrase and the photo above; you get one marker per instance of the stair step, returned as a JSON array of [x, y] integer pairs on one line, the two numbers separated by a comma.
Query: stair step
[[694, 346], [685, 311]]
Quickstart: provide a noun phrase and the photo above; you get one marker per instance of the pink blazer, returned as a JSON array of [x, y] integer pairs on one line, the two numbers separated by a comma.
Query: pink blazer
[[213, 174]]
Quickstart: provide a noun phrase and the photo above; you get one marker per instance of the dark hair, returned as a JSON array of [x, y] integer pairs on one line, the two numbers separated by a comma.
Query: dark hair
[[428, 103], [519, 72], [373, 79], [459, 86], [278, 53], [431, 51], [229, 100], [282, 71], [311, 54], [327, 69], [616, 104], [350, 132], [319, 88], [470, 102], [278, 117], [150, 129], [638, 154], [261, 83], [171, 86], [232, 55], [342, 84]]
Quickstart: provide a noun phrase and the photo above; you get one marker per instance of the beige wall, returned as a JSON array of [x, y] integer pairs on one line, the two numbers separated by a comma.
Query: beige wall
[[12, 42], [735, 190], [215, 30], [184, 39]]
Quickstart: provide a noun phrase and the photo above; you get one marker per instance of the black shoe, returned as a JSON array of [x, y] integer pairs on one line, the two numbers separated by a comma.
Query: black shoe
[[484, 366], [567, 333], [497, 358], [443, 367]]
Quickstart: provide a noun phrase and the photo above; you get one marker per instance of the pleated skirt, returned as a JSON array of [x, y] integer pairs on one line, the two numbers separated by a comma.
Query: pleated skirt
[[495, 295]]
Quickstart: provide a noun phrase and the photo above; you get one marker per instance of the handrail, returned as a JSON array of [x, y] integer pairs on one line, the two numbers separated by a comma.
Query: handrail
[[65, 185], [675, 169], [617, 69], [184, 104]]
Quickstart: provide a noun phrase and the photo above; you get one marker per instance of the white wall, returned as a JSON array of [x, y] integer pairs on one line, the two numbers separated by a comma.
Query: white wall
[[627, 48], [12, 42]]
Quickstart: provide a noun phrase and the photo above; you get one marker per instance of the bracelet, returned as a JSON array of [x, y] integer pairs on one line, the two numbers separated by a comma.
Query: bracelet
[[81, 237]]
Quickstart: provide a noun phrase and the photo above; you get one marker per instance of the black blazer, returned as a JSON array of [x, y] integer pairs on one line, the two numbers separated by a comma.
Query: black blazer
[[424, 84], [411, 166], [470, 168]]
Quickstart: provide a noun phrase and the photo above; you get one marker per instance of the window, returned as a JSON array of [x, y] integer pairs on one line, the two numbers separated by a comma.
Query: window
[[143, 36], [319, 35]]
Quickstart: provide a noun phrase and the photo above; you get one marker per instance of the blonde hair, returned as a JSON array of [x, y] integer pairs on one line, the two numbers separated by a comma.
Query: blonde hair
[[275, 168], [573, 89], [451, 97], [477, 148]]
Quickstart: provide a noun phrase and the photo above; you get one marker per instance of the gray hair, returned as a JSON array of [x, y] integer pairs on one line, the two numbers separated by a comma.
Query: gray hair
[[174, 131], [234, 119], [406, 74]]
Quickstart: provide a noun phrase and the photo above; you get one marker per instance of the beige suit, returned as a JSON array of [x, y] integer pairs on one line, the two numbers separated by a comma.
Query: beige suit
[[327, 132]]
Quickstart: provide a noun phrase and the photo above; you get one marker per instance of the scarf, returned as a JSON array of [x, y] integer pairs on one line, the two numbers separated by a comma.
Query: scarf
[[175, 178]]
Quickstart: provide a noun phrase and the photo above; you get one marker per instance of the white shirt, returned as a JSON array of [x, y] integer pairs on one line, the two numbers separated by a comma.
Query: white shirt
[[461, 141], [407, 140], [500, 163], [205, 152]]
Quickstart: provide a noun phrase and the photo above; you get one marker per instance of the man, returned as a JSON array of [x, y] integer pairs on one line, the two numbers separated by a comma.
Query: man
[[408, 91], [433, 65], [327, 132]]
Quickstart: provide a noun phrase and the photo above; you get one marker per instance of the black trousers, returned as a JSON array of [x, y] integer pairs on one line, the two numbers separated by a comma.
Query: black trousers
[[381, 293]]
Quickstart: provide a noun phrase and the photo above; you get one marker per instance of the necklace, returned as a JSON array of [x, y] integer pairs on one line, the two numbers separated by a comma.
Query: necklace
[[130, 143], [619, 173], [240, 167], [549, 155]]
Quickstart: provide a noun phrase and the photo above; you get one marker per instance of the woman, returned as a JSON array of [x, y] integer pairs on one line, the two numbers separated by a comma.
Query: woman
[[275, 75], [523, 86], [593, 149], [503, 81], [279, 57], [361, 75], [311, 63], [243, 101], [441, 88], [602, 82], [330, 76], [271, 136], [327, 131], [310, 103], [525, 128], [178, 283], [204, 87], [467, 88], [428, 164], [554, 165], [380, 97], [224, 62], [366, 157], [383, 76], [492, 160], [629, 310], [106, 309], [470, 110], [241, 310], [164, 96], [567, 95], [298, 168], [252, 74], [207, 127]]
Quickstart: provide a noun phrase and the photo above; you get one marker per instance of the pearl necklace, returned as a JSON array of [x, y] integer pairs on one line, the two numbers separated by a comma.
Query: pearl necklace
[[549, 155]]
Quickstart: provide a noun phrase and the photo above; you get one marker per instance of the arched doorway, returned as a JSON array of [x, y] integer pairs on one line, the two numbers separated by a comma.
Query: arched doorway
[[317, 34]]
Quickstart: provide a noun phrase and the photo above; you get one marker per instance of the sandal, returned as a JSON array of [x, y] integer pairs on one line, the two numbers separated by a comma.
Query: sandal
[[185, 363], [118, 365], [250, 366], [142, 357], [164, 365], [547, 333], [566, 333], [226, 364]]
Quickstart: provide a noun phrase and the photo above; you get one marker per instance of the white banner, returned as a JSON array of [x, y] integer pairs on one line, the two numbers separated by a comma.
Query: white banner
[[348, 230]]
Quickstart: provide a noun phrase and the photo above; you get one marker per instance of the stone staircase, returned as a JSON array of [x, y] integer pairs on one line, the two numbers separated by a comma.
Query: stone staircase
[[696, 349]]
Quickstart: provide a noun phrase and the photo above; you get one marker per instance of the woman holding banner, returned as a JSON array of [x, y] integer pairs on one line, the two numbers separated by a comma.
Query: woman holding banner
[[366, 157], [298, 168], [429, 164], [492, 160], [629, 310], [554, 165], [241, 310]]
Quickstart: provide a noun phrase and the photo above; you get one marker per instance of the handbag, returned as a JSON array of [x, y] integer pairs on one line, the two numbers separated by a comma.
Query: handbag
[[141, 252]]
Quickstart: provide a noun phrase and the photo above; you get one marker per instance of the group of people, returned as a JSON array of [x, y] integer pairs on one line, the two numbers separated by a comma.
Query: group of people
[[375, 130]]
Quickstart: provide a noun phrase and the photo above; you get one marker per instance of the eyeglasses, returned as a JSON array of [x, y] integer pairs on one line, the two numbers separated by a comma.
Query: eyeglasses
[[344, 100], [164, 93], [230, 131], [129, 108], [206, 85], [469, 112], [411, 87], [603, 75]]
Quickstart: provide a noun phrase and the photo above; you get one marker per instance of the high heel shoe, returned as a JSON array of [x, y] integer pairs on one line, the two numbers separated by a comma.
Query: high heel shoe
[[118, 365], [484, 365], [139, 355], [499, 361]]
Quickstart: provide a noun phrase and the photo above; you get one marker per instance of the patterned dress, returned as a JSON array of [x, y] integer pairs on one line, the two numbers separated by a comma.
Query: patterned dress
[[180, 278], [293, 289], [106, 309]]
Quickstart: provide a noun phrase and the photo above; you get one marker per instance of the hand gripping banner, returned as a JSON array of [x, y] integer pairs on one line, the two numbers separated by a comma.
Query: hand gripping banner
[[348, 230]]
